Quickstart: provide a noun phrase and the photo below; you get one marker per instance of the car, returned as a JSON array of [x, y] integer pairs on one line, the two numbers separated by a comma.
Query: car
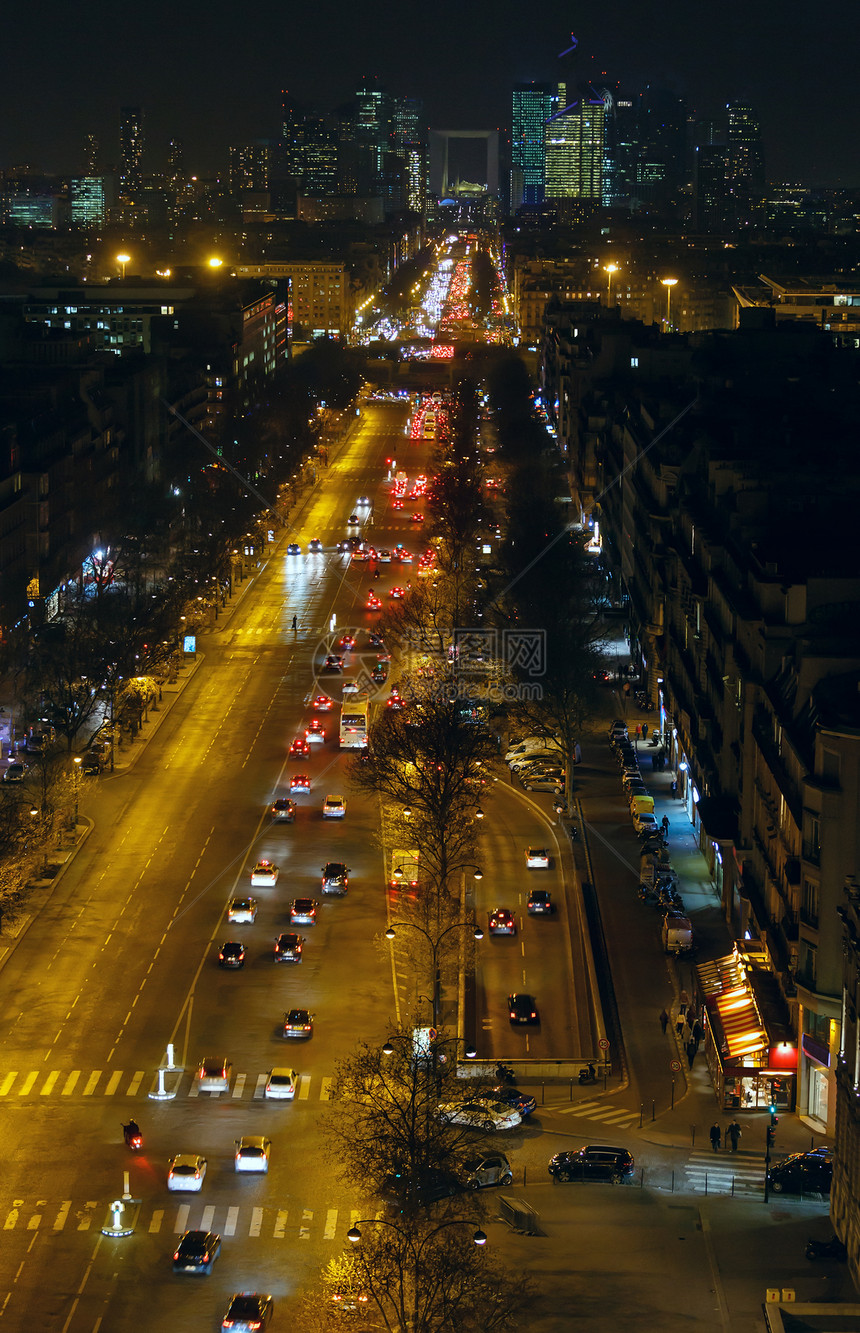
[[397, 593], [231, 954], [264, 875], [15, 772], [618, 727], [537, 858], [404, 556], [303, 912], [417, 518], [396, 504], [373, 603], [252, 1153], [523, 1101], [213, 1074], [376, 641], [594, 1161], [645, 824], [298, 1024], [493, 1169], [282, 810], [315, 731], [803, 1173], [334, 807], [384, 556], [248, 1312], [480, 1113], [335, 877], [300, 782], [333, 662], [379, 674], [347, 643], [186, 1172], [36, 742], [315, 545], [532, 759], [322, 704], [353, 520], [359, 553], [363, 500], [92, 764], [242, 910], [552, 782], [196, 1252], [531, 744], [294, 549], [539, 903], [299, 748], [281, 1084], [288, 948], [425, 1187], [502, 922], [522, 1008], [395, 701]]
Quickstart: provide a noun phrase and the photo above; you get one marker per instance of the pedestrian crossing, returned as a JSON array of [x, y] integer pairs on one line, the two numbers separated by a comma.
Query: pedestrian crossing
[[266, 1223], [599, 1110], [97, 1083], [725, 1172]]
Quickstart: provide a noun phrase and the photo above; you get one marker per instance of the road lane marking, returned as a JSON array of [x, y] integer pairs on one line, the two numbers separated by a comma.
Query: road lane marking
[[156, 1221], [259, 1091], [113, 1083], [33, 1223], [85, 1218], [232, 1219], [48, 1086], [92, 1081], [330, 1224], [280, 1224], [304, 1087], [182, 1218], [134, 1085], [8, 1081], [194, 1090], [207, 1218], [256, 1222], [325, 1090], [28, 1084], [70, 1082], [239, 1086], [305, 1228], [62, 1215], [12, 1217]]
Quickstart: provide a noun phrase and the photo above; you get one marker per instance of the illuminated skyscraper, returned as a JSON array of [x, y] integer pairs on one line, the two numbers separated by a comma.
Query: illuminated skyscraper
[[87, 201], [407, 123], [416, 177], [130, 148], [250, 164], [531, 108], [91, 155], [745, 175], [574, 148]]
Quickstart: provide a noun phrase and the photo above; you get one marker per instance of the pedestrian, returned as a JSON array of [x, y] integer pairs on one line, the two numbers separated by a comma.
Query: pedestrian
[[679, 1026], [638, 730], [577, 754], [684, 1001], [664, 824], [674, 787], [698, 1032], [734, 1132], [295, 623], [691, 1053], [644, 731], [689, 1021], [716, 1137], [664, 1021]]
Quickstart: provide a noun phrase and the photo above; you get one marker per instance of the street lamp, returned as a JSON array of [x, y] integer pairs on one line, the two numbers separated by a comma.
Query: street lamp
[[478, 934], [215, 263], [609, 269], [78, 762], [479, 1237], [122, 260], [669, 283]]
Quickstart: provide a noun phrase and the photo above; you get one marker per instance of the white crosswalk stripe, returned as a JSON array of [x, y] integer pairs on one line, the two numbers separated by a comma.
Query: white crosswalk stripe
[[602, 1112], [123, 1083], [724, 1173]]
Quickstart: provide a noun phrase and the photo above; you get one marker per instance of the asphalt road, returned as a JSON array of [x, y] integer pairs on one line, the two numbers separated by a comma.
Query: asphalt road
[[124, 960]]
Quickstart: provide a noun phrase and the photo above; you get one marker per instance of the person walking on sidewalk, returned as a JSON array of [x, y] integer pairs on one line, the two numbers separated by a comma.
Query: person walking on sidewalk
[[295, 623], [716, 1137], [664, 824], [638, 730], [684, 1001], [679, 1026], [734, 1132], [644, 731], [691, 1052], [664, 1021]]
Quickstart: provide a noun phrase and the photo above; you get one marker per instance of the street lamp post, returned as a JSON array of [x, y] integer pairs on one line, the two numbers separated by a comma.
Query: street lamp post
[[122, 260], [478, 934], [78, 762], [669, 283], [609, 269]]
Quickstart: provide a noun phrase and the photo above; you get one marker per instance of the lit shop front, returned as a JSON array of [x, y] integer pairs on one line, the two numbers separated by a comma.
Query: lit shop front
[[748, 1046]]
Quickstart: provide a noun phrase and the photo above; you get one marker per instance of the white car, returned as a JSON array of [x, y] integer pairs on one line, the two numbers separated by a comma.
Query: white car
[[537, 858], [242, 910], [384, 557], [213, 1074], [481, 1114], [264, 874], [281, 1084], [334, 807], [534, 759], [252, 1153], [529, 746], [646, 824], [186, 1172]]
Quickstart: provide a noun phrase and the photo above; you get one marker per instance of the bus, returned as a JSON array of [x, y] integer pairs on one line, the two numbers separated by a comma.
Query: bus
[[353, 724]]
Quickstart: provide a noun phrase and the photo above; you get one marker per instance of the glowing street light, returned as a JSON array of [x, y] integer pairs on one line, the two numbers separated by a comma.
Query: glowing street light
[[609, 269], [669, 283], [122, 260], [214, 262]]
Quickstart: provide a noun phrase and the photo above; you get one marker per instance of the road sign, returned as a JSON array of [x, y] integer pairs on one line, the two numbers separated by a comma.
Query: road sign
[[603, 1044], [674, 1065]]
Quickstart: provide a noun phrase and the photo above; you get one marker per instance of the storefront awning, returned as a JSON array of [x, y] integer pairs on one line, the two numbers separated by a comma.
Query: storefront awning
[[739, 1030]]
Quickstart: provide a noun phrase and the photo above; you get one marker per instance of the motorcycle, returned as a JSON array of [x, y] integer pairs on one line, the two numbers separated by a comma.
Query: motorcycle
[[505, 1074], [132, 1135], [826, 1249], [588, 1075]]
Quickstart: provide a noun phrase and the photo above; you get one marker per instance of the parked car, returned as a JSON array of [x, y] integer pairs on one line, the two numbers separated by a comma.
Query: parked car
[[493, 1169], [803, 1173], [480, 1113], [594, 1161]]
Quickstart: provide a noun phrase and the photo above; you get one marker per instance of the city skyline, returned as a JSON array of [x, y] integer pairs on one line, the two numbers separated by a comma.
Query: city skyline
[[193, 83]]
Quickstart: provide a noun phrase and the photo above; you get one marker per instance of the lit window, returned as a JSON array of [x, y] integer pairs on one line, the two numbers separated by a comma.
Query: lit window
[[634, 361]]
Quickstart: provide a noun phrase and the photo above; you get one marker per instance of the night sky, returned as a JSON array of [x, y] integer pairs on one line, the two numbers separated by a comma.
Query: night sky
[[211, 72]]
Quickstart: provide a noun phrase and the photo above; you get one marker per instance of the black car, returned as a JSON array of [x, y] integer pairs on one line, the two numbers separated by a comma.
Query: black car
[[288, 949], [231, 954], [803, 1173], [92, 764], [248, 1310], [539, 903], [595, 1161], [333, 662], [404, 1193], [196, 1252], [335, 877], [523, 1009], [283, 810], [298, 1024]]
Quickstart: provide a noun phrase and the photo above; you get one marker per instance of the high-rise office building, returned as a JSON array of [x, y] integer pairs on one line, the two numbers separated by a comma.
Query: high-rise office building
[[176, 163], [87, 201], [711, 187], [620, 149], [250, 165], [292, 129], [531, 108], [745, 173], [92, 154], [316, 157], [662, 124], [573, 166], [373, 124], [417, 168], [130, 148], [407, 123]]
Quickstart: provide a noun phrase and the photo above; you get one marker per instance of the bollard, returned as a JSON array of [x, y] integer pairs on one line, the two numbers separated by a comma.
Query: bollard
[[693, 1129], [570, 1091], [641, 1113], [161, 1093], [673, 1180], [170, 1064], [673, 1095], [524, 1176], [126, 1192], [653, 1113], [542, 1093]]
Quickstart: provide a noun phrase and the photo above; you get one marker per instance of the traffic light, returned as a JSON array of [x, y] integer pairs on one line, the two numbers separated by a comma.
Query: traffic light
[[771, 1135]]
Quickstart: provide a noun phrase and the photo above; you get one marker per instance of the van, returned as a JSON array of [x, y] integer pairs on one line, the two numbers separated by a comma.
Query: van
[[405, 868], [642, 805], [677, 933]]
